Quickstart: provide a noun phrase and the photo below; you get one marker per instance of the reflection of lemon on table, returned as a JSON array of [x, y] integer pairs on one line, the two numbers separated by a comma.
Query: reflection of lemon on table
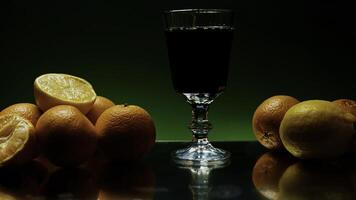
[[17, 140], [314, 181], [62, 89], [5, 196], [317, 129]]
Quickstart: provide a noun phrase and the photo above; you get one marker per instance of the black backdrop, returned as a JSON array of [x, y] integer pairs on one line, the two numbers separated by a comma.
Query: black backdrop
[[303, 49]]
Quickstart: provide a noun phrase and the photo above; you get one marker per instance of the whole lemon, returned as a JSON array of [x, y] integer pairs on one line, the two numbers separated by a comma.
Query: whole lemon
[[317, 129]]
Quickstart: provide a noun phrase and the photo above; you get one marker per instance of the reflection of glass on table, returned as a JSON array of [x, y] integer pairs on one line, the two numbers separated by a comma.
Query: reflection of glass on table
[[199, 184]]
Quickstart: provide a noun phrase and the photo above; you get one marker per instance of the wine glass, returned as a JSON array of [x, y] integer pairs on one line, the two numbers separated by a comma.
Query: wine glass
[[199, 43]]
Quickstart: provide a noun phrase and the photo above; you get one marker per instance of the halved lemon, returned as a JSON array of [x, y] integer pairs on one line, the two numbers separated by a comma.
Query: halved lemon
[[17, 140], [62, 89]]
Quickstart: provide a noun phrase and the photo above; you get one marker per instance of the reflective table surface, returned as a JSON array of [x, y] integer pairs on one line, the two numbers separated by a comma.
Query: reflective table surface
[[253, 173]]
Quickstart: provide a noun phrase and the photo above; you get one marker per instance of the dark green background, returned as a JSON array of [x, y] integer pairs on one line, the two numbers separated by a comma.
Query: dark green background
[[298, 48]]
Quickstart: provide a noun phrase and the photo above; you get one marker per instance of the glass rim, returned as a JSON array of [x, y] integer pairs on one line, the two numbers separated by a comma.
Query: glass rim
[[198, 10]]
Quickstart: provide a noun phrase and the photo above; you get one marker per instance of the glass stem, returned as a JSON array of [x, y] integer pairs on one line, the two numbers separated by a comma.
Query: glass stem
[[200, 125]]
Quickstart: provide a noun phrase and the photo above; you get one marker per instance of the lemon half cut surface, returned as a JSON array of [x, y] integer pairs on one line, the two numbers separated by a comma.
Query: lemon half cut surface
[[17, 140], [62, 89]]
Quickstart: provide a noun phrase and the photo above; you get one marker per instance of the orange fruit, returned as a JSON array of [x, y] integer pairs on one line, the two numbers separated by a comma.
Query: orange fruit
[[347, 104], [100, 105], [267, 171], [28, 111], [267, 119], [317, 129], [66, 136], [17, 140], [62, 89], [126, 132]]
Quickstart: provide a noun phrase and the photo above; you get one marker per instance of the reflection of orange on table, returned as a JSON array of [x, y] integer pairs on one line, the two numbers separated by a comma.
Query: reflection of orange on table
[[73, 183], [128, 182], [267, 171], [22, 181]]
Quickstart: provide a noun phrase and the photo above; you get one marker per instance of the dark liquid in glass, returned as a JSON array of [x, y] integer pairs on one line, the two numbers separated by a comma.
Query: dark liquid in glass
[[199, 58]]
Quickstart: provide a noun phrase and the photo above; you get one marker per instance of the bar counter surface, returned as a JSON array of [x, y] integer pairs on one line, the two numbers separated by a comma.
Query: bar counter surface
[[253, 173]]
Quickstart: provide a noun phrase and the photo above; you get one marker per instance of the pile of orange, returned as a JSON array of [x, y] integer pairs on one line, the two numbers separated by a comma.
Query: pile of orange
[[69, 123], [299, 135], [312, 129]]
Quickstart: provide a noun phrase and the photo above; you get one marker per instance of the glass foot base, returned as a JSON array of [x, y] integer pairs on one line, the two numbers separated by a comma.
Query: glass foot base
[[201, 153]]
